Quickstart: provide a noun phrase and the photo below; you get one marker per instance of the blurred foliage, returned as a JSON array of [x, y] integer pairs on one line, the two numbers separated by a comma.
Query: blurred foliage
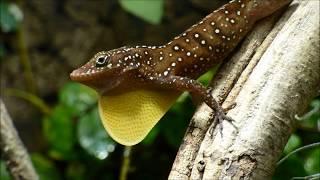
[[311, 119], [307, 161], [4, 174], [92, 136], [75, 137], [10, 16], [45, 167], [148, 10], [74, 128]]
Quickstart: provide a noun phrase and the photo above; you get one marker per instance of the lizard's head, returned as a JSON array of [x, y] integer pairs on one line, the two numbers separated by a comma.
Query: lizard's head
[[105, 69]]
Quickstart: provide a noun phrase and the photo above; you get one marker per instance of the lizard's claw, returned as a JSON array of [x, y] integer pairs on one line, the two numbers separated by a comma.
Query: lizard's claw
[[220, 116]]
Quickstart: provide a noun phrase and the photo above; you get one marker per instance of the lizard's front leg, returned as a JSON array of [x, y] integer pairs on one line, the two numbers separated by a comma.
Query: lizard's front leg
[[196, 90]]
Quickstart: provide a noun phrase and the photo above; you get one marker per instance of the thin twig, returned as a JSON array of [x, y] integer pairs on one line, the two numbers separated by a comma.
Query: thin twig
[[311, 177], [24, 57], [14, 153], [297, 150], [125, 163], [33, 99]]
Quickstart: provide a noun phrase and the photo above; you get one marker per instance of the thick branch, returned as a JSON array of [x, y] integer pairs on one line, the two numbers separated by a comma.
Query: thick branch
[[12, 149], [281, 78], [222, 83]]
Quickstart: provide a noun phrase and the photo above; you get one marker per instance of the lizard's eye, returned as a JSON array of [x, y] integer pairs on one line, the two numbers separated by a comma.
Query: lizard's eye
[[101, 61]]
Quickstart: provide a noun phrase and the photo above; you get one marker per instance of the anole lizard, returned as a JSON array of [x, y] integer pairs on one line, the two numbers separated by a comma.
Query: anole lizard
[[143, 74]]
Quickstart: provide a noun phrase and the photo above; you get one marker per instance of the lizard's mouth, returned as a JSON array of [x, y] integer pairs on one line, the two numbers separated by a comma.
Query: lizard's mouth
[[99, 79], [82, 75]]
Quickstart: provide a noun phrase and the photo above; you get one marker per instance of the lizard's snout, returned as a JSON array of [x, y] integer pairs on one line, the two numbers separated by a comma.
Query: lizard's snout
[[74, 75]]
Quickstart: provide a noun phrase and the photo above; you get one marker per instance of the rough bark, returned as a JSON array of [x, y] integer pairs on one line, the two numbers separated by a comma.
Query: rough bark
[[271, 78], [12, 149]]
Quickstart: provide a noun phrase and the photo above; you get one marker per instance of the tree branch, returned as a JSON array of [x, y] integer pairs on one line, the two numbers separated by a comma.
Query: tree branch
[[12, 149], [272, 77]]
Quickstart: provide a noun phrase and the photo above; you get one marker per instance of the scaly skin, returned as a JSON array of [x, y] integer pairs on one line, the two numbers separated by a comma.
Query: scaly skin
[[177, 64]]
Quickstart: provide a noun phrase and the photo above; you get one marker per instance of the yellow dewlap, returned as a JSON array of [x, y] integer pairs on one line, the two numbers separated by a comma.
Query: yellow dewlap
[[129, 117]]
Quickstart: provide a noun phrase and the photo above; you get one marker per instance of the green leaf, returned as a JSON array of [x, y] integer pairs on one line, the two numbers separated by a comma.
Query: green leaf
[[4, 174], [182, 98], [205, 78], [148, 10], [174, 123], [93, 137], [77, 97], [151, 136], [58, 129], [312, 163], [10, 16], [44, 167], [312, 118], [293, 143], [292, 167]]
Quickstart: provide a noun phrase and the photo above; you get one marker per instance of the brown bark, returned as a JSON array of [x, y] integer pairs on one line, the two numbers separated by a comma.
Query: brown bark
[[271, 78], [12, 149]]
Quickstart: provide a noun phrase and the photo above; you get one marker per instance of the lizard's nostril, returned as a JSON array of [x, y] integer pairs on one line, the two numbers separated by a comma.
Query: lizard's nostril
[[76, 74]]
